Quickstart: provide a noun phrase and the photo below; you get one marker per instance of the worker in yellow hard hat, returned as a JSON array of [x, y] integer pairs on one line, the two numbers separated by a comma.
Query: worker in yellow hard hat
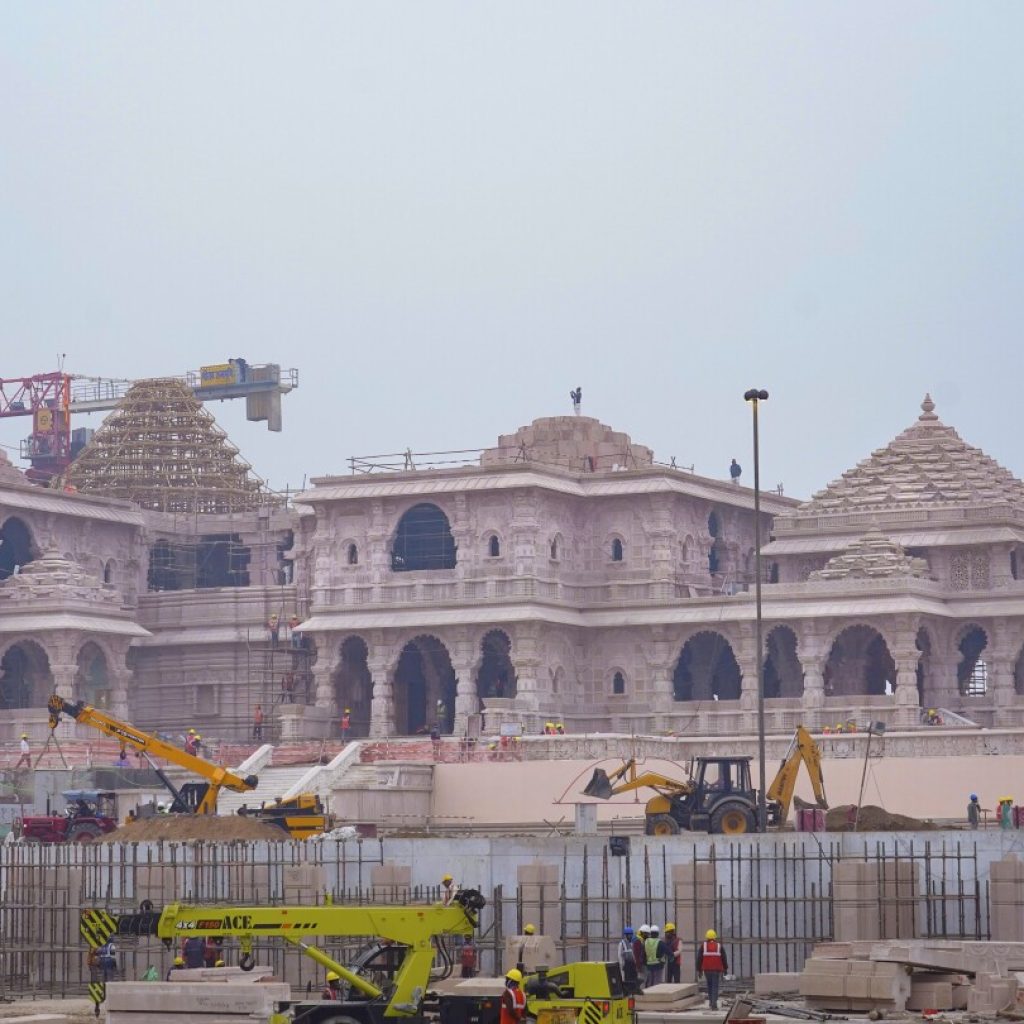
[[674, 955], [513, 998], [448, 889], [529, 929], [332, 990], [1006, 812], [178, 965], [712, 963]]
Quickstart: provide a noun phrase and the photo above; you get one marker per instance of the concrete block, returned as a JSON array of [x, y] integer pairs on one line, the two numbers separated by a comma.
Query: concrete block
[[480, 987], [930, 995], [532, 951], [222, 975], [669, 993], [169, 997], [776, 984], [823, 986]]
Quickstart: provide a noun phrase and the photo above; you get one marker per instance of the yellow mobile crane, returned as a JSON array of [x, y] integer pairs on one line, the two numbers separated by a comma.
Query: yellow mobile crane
[[718, 797], [300, 816]]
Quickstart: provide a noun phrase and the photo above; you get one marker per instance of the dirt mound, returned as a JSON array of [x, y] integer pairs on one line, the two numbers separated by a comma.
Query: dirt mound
[[873, 819], [183, 828]]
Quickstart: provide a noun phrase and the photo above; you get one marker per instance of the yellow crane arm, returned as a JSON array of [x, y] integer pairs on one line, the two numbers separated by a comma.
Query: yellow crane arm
[[412, 927], [803, 750], [129, 735]]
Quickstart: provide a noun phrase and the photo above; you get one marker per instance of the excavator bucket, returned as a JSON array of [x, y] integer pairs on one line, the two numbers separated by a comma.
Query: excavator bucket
[[599, 785]]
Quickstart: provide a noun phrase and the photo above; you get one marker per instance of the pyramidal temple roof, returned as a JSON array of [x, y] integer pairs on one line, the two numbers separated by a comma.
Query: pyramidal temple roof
[[161, 449], [928, 464]]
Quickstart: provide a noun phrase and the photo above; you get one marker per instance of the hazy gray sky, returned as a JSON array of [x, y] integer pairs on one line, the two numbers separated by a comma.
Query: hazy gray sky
[[446, 215]]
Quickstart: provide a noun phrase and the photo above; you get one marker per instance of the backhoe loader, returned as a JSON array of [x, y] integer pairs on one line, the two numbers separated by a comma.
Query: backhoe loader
[[718, 796]]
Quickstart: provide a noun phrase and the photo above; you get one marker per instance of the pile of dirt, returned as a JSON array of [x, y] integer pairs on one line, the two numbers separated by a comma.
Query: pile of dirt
[[873, 819], [185, 828]]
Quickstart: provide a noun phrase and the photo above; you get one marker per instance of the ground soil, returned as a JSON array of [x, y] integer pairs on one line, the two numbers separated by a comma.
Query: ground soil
[[75, 1009], [183, 828], [873, 819]]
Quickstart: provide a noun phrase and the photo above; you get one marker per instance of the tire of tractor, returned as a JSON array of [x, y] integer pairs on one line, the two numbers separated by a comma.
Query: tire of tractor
[[86, 833], [662, 825], [733, 819]]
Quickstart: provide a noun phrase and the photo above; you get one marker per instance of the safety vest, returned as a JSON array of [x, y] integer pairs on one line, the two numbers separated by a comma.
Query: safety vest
[[513, 1005], [651, 951], [711, 957]]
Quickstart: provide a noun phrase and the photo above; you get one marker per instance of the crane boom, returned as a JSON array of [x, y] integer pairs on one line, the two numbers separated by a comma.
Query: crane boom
[[216, 777]]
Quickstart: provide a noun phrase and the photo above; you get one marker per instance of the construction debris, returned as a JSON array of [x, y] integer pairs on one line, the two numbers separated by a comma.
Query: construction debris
[[187, 828], [873, 819]]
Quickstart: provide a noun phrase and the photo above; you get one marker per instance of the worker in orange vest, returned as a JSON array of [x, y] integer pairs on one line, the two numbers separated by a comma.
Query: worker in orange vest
[[513, 998], [712, 963], [346, 724]]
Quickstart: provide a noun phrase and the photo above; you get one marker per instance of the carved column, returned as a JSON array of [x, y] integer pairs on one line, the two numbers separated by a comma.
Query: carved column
[[746, 658], [660, 653], [813, 655], [908, 701], [120, 682], [463, 655], [1000, 663], [526, 661], [382, 705]]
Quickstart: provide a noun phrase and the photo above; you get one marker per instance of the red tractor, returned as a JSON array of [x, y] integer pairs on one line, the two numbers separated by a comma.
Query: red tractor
[[90, 814]]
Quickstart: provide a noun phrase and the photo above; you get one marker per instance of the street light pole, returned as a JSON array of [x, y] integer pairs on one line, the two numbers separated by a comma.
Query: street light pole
[[754, 396]]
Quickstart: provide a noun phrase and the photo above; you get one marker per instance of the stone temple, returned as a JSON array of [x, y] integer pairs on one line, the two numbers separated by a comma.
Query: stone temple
[[562, 575]]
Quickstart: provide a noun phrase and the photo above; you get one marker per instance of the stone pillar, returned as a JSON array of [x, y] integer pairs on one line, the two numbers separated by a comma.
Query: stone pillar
[[813, 655], [659, 654], [120, 681], [323, 686], [748, 680], [908, 702], [1000, 681], [382, 705], [526, 661], [64, 672]]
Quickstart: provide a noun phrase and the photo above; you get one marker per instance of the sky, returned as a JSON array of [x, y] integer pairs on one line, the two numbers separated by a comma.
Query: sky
[[447, 215]]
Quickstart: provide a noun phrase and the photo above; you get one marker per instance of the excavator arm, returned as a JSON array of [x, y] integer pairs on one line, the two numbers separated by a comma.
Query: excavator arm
[[802, 750], [215, 776], [411, 927], [627, 778]]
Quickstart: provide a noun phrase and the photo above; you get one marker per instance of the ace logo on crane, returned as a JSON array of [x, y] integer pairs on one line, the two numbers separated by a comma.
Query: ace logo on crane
[[238, 922]]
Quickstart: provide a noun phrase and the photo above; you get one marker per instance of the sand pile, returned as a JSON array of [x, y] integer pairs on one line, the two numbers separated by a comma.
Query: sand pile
[[183, 828], [873, 819]]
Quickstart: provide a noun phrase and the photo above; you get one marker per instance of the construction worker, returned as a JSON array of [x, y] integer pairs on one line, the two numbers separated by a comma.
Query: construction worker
[[190, 742], [257, 722], [1006, 812], [467, 959], [640, 953], [521, 958], [178, 965], [655, 956], [346, 724], [513, 998], [974, 811], [559, 729], [26, 753], [627, 962], [712, 963], [192, 951], [107, 959], [673, 955], [296, 637], [332, 990], [448, 890], [274, 629]]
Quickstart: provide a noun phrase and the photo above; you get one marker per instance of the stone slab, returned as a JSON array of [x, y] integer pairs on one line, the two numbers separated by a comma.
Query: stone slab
[[222, 975], [39, 1018], [669, 993], [930, 995], [170, 997], [480, 986], [778, 983]]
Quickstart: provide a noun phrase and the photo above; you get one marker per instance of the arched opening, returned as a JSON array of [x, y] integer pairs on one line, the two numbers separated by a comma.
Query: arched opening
[[859, 664], [92, 678], [493, 546], [706, 670], [783, 673], [424, 688], [352, 556], [423, 540], [714, 524], [16, 548], [1014, 564], [108, 572], [773, 572], [618, 684], [353, 686], [25, 677], [972, 671], [556, 547], [497, 675], [616, 550]]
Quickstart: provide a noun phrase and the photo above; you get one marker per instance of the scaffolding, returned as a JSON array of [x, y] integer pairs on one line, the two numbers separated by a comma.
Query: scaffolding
[[162, 450], [278, 672]]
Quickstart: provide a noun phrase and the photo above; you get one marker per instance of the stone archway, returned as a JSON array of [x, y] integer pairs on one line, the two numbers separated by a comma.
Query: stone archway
[[783, 672], [92, 677], [706, 670], [859, 664], [25, 677], [353, 685], [497, 675], [423, 540], [424, 677], [16, 547], [972, 669]]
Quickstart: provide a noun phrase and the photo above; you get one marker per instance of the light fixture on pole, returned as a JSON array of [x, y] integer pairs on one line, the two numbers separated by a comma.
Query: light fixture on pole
[[755, 396]]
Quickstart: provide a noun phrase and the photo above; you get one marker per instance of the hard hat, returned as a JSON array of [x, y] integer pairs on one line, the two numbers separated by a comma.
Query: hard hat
[[644, 928], [179, 961], [333, 976], [191, 731], [515, 975], [198, 737], [24, 735], [670, 927], [711, 934], [219, 963], [628, 930], [446, 878], [549, 725], [974, 796], [654, 929], [348, 711], [529, 929]]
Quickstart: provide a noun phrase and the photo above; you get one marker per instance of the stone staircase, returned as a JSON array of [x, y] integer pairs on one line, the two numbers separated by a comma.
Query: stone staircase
[[274, 782]]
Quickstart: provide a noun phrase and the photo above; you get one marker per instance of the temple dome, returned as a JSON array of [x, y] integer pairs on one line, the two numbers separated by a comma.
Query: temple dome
[[928, 464]]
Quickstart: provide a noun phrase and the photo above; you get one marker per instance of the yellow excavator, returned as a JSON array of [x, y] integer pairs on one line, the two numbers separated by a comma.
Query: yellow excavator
[[301, 816], [718, 796]]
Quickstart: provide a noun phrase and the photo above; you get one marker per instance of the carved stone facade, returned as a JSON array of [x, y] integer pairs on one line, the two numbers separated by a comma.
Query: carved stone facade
[[566, 577]]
